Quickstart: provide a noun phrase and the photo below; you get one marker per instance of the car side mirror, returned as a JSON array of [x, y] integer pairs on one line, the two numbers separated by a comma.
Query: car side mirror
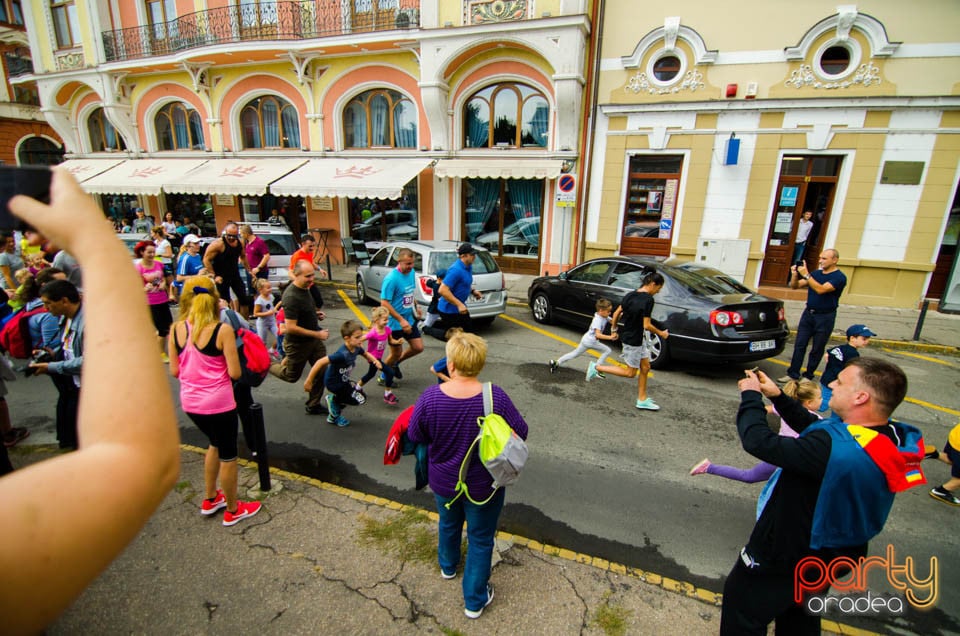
[[562, 276]]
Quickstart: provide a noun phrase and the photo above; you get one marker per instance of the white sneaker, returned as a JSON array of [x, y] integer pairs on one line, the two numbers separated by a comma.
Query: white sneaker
[[476, 613]]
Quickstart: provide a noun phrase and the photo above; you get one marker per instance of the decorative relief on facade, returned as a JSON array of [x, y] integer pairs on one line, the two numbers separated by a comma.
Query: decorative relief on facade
[[640, 83], [70, 61], [486, 11], [803, 77]]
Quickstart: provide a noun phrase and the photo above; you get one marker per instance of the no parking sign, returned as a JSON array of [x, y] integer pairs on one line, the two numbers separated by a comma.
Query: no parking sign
[[566, 191]]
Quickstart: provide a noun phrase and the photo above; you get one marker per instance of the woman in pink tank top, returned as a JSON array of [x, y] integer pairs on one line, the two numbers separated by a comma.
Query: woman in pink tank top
[[203, 355]]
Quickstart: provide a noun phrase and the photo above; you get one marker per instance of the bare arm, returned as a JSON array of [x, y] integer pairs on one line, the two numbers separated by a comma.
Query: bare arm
[[212, 250], [453, 300], [649, 326], [293, 329], [143, 458], [806, 280], [315, 370]]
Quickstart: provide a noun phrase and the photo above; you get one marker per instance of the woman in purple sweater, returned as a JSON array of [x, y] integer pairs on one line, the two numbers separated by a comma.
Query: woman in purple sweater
[[445, 418]]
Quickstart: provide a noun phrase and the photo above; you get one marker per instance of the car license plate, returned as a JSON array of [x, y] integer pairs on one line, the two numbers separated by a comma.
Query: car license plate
[[763, 345]]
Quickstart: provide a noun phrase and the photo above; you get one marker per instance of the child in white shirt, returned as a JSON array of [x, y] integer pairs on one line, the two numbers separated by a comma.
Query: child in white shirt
[[265, 312], [591, 339]]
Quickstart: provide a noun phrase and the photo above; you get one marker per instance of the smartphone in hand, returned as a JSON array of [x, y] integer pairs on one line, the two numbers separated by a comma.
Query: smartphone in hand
[[33, 181]]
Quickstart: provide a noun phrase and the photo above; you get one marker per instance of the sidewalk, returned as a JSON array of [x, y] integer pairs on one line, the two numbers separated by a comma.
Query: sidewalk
[[894, 327], [302, 566]]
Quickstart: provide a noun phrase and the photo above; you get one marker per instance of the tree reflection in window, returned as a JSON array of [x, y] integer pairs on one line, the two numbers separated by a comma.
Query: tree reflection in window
[[178, 127], [521, 118], [270, 122], [103, 136], [380, 118]]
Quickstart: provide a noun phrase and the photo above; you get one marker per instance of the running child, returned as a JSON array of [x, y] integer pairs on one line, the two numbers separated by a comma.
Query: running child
[[805, 391], [439, 368], [377, 340], [433, 314], [636, 309], [265, 311], [950, 455], [591, 339], [858, 337], [337, 369]]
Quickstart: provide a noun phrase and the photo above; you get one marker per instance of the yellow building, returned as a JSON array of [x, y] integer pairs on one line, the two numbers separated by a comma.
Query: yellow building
[[719, 124], [370, 119]]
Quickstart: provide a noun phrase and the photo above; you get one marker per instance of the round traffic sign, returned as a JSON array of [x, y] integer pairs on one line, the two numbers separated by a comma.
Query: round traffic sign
[[566, 183]]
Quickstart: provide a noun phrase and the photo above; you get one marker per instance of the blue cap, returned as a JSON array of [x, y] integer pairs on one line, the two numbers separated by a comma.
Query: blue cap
[[859, 330], [442, 272]]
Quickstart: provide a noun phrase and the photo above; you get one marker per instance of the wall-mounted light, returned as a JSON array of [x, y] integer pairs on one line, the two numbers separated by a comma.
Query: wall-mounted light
[[567, 165]]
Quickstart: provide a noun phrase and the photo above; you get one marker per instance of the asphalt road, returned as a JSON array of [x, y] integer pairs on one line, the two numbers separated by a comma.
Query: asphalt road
[[604, 478]]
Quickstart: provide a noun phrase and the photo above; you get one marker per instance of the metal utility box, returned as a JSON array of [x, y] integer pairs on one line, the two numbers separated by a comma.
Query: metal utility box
[[728, 255]]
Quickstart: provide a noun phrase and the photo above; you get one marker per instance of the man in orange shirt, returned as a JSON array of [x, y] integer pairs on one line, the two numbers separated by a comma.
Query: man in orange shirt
[[307, 253]]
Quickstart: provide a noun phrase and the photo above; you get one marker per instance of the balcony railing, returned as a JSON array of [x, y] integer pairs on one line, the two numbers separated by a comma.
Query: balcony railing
[[256, 22]]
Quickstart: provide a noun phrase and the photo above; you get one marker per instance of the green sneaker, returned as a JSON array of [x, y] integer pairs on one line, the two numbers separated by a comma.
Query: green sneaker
[[592, 371], [648, 405]]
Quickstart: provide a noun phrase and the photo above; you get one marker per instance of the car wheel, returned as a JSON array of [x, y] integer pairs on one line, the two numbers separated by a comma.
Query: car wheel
[[542, 311], [659, 351], [362, 297]]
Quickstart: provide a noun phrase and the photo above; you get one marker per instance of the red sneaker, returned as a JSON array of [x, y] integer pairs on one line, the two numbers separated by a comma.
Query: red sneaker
[[244, 509], [391, 399], [209, 507]]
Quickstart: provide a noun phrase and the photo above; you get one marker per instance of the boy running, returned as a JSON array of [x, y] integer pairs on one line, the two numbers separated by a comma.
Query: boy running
[[591, 339], [339, 367]]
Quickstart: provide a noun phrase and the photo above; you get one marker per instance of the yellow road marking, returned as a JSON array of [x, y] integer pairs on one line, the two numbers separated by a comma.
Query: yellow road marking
[[917, 355], [931, 406], [356, 310], [552, 336]]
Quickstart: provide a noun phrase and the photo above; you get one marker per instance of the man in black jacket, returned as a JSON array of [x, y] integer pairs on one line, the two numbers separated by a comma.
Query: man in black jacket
[[831, 495]]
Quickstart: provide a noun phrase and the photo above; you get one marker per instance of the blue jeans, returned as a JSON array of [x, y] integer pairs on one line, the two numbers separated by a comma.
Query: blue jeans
[[481, 531], [815, 326]]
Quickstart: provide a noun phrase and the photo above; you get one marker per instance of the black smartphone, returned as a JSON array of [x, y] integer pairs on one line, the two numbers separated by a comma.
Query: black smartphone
[[33, 181]]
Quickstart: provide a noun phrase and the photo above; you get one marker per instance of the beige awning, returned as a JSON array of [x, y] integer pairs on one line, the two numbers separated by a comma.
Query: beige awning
[[244, 177], [140, 176], [498, 168], [357, 178], [84, 169]]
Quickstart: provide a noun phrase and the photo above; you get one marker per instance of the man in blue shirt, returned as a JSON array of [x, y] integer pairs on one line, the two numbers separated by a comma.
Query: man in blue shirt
[[456, 288], [397, 297], [824, 287]]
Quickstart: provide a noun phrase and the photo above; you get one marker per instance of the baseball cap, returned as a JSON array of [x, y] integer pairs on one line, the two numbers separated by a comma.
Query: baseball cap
[[859, 330], [190, 238], [466, 248], [442, 272]]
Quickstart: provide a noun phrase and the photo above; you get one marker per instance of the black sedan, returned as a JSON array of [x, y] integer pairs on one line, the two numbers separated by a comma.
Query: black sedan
[[711, 317]]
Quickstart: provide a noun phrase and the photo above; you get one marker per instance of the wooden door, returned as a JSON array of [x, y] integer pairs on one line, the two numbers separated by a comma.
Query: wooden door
[[806, 183]]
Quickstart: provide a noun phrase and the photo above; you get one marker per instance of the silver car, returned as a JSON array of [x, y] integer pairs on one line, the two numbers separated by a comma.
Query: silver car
[[430, 256]]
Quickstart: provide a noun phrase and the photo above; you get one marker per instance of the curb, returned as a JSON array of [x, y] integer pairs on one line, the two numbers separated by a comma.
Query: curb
[[651, 578]]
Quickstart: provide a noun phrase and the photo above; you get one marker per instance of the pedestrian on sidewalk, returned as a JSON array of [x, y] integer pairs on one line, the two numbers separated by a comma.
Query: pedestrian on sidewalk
[[858, 337], [950, 455], [445, 418], [636, 309], [337, 371], [824, 287], [591, 339], [203, 356]]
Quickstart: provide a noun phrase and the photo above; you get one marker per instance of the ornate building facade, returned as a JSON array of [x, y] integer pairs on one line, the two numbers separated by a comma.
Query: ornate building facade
[[376, 118], [719, 125]]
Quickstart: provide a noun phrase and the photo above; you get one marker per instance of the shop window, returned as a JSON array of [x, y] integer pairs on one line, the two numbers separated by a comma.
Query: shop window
[[380, 119], [503, 215], [651, 200], [270, 122], [179, 127], [386, 219], [506, 116], [39, 151], [103, 136], [66, 24]]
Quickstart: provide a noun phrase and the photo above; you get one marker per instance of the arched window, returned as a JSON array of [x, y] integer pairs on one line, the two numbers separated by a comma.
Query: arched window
[[103, 136], [270, 122], [380, 119], [521, 118], [38, 151], [178, 127]]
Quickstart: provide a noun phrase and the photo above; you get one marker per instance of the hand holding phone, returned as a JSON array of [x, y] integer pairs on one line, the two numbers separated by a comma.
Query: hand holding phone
[[33, 181]]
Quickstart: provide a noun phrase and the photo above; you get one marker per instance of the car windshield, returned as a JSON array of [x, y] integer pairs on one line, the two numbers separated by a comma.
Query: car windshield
[[483, 264], [697, 283]]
